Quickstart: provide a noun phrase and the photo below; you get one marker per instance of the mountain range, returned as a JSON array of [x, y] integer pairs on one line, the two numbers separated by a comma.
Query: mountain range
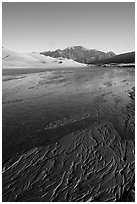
[[76, 56], [122, 58], [80, 54]]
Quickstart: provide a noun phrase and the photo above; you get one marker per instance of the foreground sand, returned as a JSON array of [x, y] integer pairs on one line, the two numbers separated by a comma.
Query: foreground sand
[[69, 136]]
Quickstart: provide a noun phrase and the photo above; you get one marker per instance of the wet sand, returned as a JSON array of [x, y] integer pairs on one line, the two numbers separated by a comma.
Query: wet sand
[[68, 135]]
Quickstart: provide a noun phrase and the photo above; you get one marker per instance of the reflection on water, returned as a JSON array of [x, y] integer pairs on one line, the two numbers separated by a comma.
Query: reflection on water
[[32, 101]]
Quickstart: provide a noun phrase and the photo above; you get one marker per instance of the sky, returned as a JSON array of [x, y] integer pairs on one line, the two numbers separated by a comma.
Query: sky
[[42, 26]]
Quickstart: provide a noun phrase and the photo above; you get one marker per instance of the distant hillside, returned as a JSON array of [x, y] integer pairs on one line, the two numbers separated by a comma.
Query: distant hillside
[[122, 58], [80, 54]]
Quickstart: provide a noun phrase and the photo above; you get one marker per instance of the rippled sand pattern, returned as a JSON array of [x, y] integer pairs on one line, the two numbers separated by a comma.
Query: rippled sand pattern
[[87, 165]]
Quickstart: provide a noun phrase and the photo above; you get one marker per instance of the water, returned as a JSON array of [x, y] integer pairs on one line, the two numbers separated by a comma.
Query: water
[[42, 106]]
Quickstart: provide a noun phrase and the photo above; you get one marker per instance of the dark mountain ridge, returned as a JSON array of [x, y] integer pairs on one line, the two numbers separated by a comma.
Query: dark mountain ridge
[[122, 58]]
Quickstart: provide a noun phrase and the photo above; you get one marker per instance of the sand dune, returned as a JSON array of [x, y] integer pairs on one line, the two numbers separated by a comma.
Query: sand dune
[[11, 59]]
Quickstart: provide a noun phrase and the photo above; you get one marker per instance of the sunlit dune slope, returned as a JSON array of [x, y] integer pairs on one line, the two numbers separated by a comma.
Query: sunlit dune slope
[[11, 59]]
